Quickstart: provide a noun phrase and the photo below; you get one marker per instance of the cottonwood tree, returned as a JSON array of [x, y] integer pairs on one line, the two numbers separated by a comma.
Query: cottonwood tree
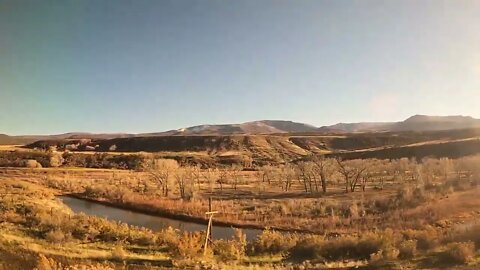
[[235, 173], [267, 173], [211, 178], [197, 174], [399, 169], [184, 179], [446, 165], [373, 168], [222, 177], [286, 175], [161, 172], [306, 173], [351, 171], [325, 168]]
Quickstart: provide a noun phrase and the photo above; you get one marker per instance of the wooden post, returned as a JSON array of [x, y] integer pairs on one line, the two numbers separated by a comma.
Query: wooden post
[[208, 235], [211, 217]]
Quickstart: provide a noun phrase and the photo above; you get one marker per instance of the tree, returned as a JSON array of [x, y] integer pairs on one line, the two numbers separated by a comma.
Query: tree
[[197, 174], [184, 179], [352, 172], [306, 174], [211, 178], [286, 174], [161, 171], [325, 168], [236, 175], [55, 159], [222, 177], [267, 173]]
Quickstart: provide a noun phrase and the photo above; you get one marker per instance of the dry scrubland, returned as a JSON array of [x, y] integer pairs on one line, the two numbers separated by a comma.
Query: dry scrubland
[[318, 213]]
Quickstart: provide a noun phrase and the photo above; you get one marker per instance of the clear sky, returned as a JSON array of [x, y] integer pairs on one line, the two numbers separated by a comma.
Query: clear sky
[[144, 66]]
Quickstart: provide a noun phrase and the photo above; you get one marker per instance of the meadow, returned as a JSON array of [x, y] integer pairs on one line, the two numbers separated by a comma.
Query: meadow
[[316, 213]]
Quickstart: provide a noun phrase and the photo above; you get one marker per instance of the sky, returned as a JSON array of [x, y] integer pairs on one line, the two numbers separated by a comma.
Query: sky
[[146, 66]]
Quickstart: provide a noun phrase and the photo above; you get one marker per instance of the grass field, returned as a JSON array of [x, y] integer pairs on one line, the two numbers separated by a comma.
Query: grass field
[[374, 214]]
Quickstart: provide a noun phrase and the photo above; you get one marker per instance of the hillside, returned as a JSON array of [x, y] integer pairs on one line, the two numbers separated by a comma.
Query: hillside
[[5, 139], [255, 127], [417, 123], [261, 148], [278, 148], [414, 123]]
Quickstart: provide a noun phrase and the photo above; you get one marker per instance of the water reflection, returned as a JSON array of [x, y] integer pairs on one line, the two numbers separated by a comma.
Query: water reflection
[[143, 220]]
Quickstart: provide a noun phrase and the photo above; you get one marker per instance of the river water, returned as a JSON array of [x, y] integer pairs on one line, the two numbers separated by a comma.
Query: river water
[[154, 223]]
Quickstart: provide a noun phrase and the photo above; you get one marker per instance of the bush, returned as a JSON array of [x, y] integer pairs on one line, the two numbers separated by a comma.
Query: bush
[[227, 250], [408, 249], [426, 239], [459, 252], [230, 250], [57, 236], [344, 248], [309, 248], [118, 253], [382, 256], [189, 246], [168, 237], [471, 233], [272, 242], [31, 163]]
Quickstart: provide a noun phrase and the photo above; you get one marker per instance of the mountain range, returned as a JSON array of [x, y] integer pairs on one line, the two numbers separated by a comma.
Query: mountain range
[[414, 123]]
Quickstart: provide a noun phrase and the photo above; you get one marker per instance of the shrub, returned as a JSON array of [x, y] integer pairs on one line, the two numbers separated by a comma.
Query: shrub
[[315, 248], [189, 246], [382, 256], [118, 253], [56, 236], [460, 252], [169, 237], [142, 236], [309, 248], [272, 242], [390, 253], [229, 250], [471, 233], [426, 239], [31, 163], [408, 249]]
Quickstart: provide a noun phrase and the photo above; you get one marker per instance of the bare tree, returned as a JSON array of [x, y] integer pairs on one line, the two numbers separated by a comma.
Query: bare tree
[[352, 172], [325, 168], [161, 170], [286, 176], [185, 182], [236, 175], [197, 174], [267, 173], [211, 177], [222, 177]]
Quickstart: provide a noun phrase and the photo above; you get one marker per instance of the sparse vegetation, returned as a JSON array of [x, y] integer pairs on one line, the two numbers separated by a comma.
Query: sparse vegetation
[[319, 210]]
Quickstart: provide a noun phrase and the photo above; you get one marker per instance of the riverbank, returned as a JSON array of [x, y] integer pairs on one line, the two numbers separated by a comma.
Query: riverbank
[[165, 213]]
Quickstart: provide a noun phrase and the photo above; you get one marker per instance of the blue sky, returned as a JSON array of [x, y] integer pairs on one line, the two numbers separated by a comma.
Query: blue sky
[[144, 66]]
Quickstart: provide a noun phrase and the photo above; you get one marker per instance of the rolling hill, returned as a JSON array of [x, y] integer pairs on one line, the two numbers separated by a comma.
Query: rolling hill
[[417, 123], [414, 123]]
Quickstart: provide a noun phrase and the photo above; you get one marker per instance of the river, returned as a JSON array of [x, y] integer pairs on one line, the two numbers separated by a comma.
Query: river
[[154, 223]]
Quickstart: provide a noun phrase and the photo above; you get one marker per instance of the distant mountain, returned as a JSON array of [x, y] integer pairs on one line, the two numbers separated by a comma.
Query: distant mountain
[[355, 127], [5, 139], [414, 123], [255, 127]]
